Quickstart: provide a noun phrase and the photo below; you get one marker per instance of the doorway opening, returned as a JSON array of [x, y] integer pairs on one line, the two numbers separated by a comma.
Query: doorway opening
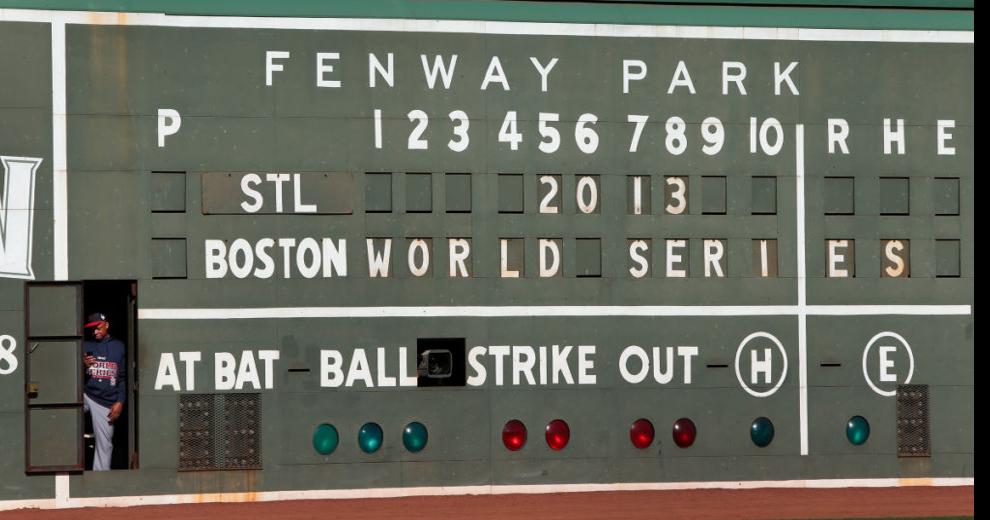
[[117, 300]]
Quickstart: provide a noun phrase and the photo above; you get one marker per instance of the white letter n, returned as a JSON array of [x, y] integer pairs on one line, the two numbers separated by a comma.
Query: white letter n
[[17, 216]]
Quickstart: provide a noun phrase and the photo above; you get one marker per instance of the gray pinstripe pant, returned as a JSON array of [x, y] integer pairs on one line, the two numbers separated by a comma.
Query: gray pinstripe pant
[[103, 431]]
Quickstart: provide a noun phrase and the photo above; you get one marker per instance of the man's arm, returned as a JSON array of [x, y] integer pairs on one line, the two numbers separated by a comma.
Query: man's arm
[[122, 376], [121, 396]]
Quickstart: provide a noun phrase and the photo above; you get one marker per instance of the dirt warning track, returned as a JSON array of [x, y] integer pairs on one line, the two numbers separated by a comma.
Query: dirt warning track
[[757, 504]]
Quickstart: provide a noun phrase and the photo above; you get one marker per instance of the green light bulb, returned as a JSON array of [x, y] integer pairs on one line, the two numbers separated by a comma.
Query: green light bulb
[[414, 436], [857, 430], [761, 432], [370, 437], [325, 439]]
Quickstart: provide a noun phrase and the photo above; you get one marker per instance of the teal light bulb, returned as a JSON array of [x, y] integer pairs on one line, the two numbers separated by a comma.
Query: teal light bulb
[[857, 430], [414, 437], [370, 437], [325, 439], [761, 431]]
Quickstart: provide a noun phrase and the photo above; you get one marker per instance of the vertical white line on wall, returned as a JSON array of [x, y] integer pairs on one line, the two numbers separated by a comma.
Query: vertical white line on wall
[[61, 490], [60, 188], [60, 193], [802, 292]]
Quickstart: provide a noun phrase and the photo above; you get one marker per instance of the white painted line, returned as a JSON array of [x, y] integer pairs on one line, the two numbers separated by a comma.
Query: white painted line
[[891, 35], [466, 311], [40, 503], [749, 484], [541, 311], [330, 494], [802, 275], [60, 187], [62, 490], [889, 310], [482, 27], [802, 267], [803, 380]]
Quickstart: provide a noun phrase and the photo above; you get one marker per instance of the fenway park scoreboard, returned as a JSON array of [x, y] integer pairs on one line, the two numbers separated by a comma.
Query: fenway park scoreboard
[[406, 256]]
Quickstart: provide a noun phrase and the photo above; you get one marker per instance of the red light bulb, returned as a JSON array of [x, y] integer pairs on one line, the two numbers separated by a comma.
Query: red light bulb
[[514, 435], [558, 434], [684, 432], [641, 433]]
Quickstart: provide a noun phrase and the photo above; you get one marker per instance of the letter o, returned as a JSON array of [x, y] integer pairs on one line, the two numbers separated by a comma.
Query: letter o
[[241, 247], [628, 352]]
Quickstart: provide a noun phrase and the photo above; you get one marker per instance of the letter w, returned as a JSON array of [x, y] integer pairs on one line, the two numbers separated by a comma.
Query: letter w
[[17, 216], [378, 263], [446, 74]]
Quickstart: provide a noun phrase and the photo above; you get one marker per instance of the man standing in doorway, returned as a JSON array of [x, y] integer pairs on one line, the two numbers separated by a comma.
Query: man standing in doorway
[[106, 385]]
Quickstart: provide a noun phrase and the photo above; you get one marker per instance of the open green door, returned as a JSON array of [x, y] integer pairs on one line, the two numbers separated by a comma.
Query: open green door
[[53, 386]]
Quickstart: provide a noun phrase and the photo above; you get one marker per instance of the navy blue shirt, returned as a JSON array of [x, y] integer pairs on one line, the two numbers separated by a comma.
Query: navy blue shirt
[[106, 379]]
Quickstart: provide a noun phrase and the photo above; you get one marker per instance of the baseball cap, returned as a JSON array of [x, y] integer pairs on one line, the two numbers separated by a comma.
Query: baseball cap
[[94, 320]]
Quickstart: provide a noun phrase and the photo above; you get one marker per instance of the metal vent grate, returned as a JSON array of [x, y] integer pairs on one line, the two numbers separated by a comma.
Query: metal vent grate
[[241, 440], [219, 431], [196, 438], [913, 438]]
